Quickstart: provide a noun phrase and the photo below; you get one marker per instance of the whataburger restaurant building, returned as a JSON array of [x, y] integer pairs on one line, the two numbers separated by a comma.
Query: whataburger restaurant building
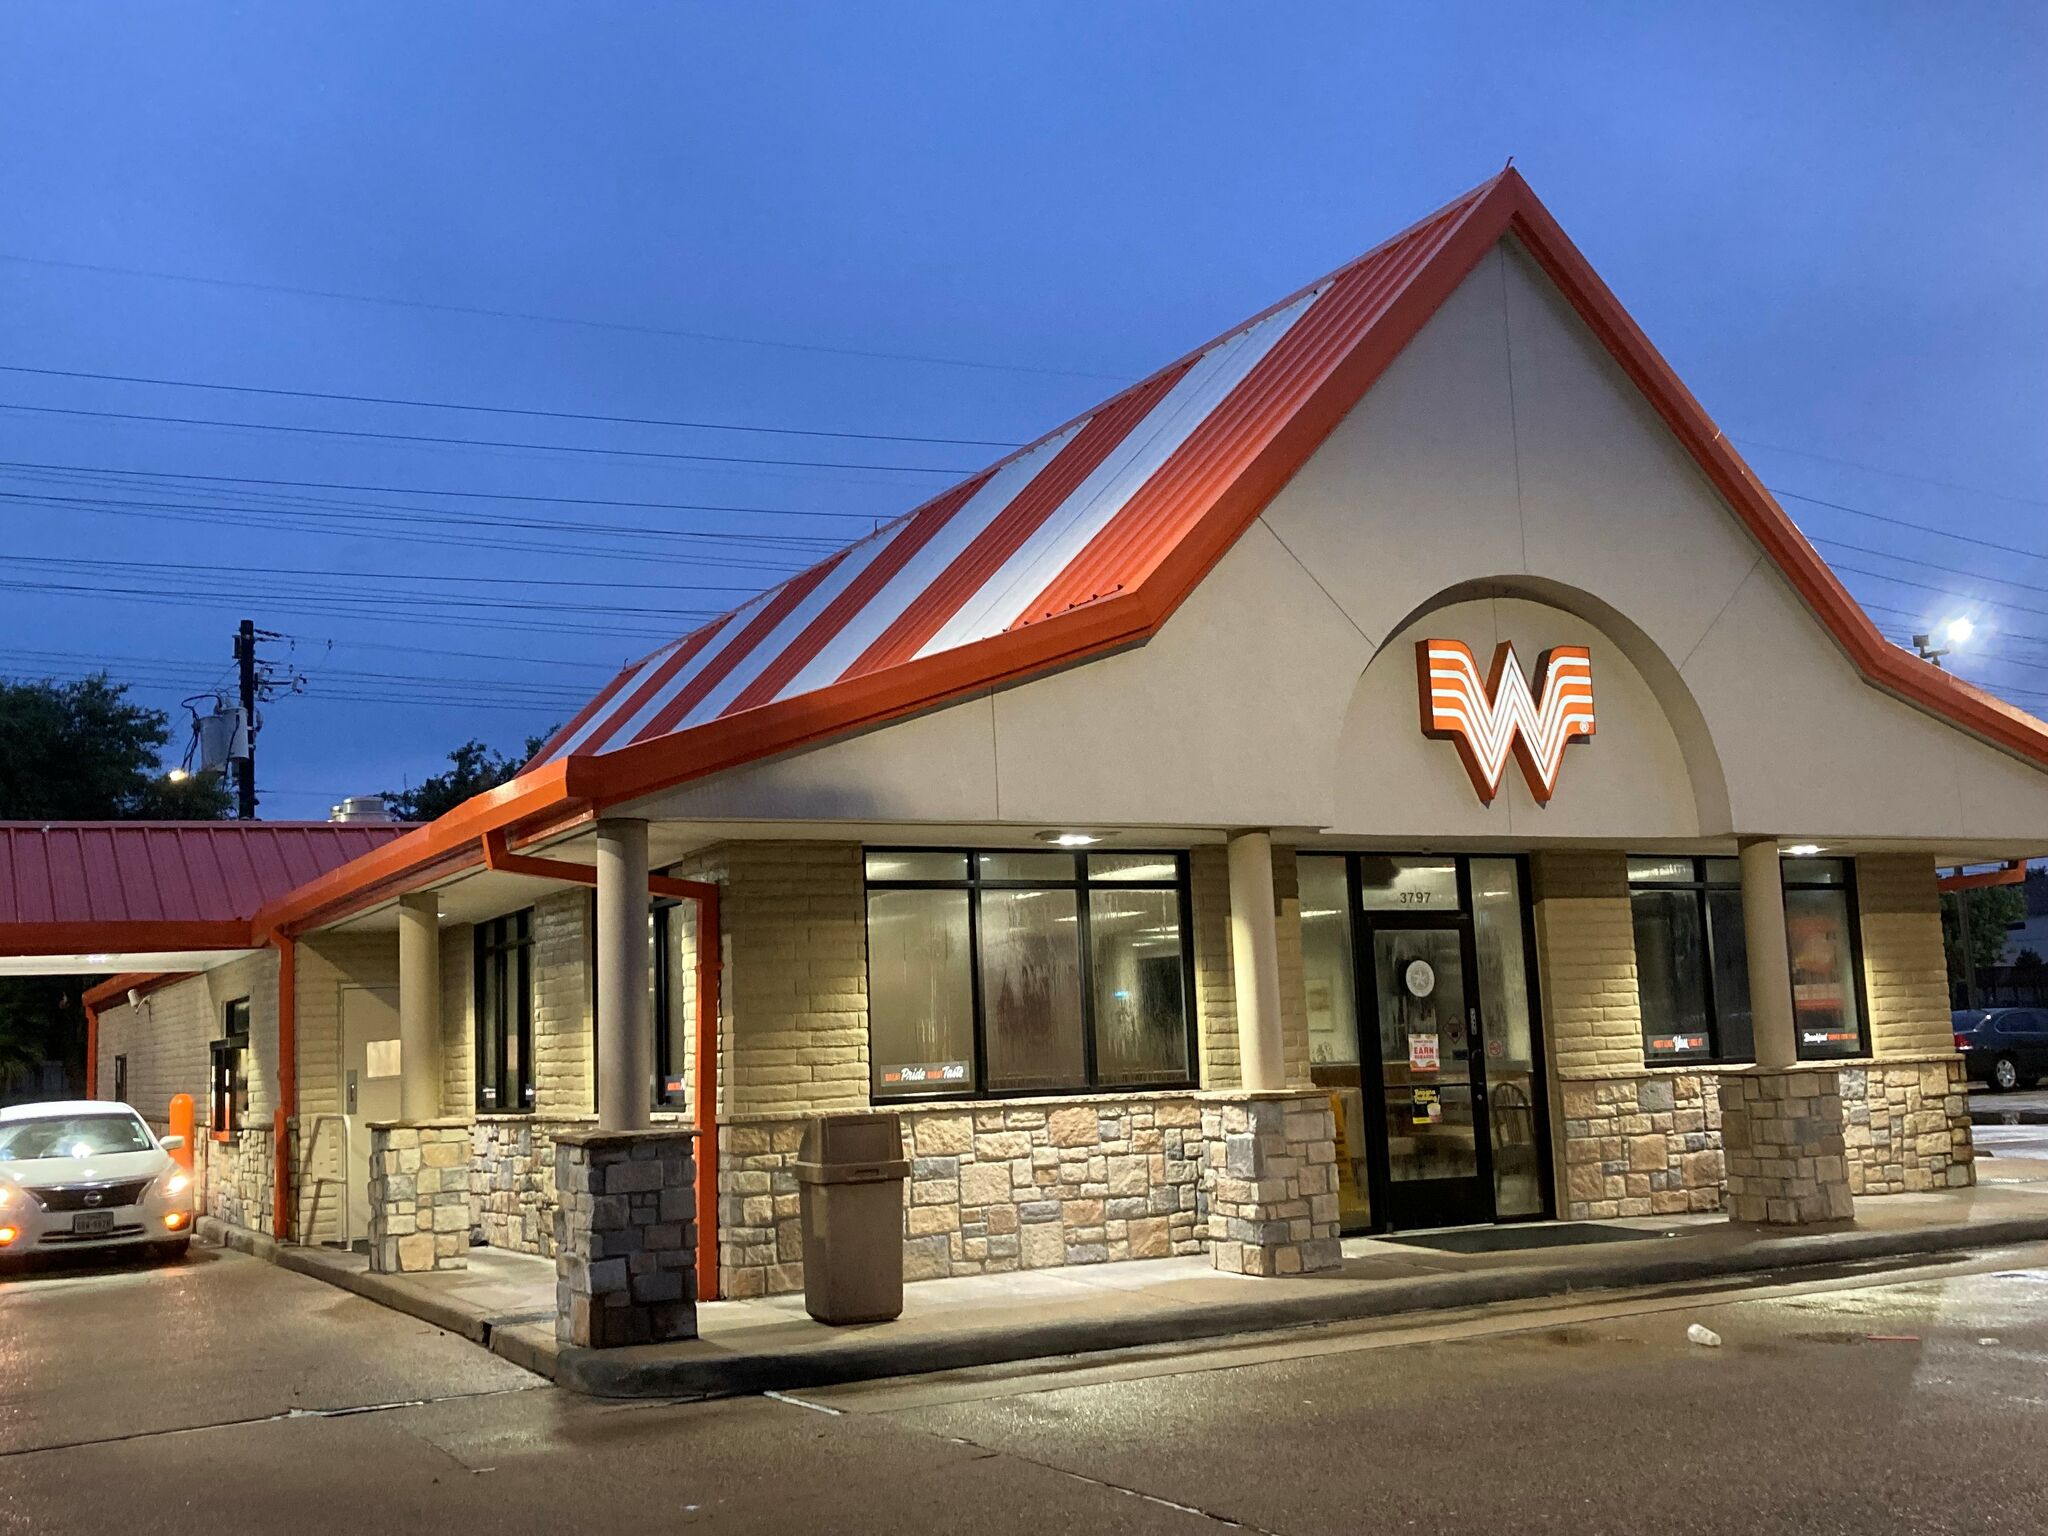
[[1393, 767]]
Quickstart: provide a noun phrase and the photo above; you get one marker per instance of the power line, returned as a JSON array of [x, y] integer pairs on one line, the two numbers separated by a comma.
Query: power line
[[1900, 522], [1930, 565], [546, 319], [364, 433], [1897, 474], [416, 490], [508, 410]]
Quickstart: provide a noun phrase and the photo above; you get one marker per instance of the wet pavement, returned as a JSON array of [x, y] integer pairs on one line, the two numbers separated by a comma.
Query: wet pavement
[[228, 1395]]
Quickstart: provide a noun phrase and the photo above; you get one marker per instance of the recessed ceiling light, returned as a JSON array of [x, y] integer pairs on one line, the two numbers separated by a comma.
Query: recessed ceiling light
[[1070, 839], [1803, 850]]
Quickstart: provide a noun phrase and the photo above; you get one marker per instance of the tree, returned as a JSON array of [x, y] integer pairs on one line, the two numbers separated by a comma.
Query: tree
[[1993, 910], [473, 768], [80, 751]]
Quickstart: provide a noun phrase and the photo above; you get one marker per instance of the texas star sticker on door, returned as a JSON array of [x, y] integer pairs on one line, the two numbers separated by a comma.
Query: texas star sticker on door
[[1486, 721]]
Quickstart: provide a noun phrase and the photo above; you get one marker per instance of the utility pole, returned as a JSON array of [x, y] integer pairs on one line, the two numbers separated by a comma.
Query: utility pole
[[245, 662], [1970, 994]]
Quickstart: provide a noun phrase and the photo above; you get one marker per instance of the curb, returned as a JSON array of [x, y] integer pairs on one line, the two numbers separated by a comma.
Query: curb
[[848, 1357], [603, 1373]]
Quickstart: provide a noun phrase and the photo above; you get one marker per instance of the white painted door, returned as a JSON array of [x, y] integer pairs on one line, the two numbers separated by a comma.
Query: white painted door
[[369, 1084]]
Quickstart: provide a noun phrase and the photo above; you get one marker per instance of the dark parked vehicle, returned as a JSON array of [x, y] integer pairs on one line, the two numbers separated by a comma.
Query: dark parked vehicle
[[2005, 1047]]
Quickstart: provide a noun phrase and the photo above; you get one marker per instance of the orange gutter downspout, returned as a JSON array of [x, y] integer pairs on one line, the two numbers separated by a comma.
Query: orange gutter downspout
[[704, 1027], [287, 1082]]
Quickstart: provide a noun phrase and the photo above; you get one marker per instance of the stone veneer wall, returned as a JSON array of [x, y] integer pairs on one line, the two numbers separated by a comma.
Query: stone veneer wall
[[993, 1187], [419, 1197], [240, 1179], [625, 1237], [1271, 1180], [1642, 1145], [512, 1181], [1906, 1126], [1782, 1135]]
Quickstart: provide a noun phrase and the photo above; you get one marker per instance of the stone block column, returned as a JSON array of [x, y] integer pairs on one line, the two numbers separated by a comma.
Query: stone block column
[[1271, 1175], [419, 1196], [1782, 1140], [625, 1237]]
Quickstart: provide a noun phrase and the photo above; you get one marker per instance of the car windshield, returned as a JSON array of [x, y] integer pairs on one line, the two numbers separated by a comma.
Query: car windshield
[[73, 1136]]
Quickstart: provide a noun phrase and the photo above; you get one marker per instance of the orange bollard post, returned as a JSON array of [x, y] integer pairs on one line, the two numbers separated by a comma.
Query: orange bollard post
[[181, 1125]]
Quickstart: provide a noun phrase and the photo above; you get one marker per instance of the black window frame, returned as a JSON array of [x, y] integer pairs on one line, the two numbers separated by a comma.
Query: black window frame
[[1854, 910], [227, 1105], [974, 883], [665, 1064], [501, 943], [1700, 885], [121, 1078]]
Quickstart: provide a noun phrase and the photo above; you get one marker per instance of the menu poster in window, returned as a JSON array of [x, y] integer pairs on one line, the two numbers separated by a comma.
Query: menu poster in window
[[1425, 1106], [931, 1074], [1422, 1053]]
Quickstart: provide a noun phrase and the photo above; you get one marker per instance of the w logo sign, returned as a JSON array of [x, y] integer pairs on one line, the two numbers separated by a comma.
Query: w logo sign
[[1488, 720]]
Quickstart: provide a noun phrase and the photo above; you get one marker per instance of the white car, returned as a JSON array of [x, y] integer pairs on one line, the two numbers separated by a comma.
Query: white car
[[89, 1175]]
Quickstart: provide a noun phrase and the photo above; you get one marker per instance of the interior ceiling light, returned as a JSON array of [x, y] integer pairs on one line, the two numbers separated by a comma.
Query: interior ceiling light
[[1803, 850], [1070, 839]]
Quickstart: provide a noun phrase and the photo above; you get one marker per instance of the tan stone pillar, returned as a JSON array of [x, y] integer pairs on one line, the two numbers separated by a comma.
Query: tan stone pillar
[[419, 1006], [1770, 957], [1255, 963], [625, 1041]]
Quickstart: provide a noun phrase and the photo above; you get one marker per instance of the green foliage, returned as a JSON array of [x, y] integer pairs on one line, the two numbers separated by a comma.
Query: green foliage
[[1993, 909], [473, 768], [80, 751]]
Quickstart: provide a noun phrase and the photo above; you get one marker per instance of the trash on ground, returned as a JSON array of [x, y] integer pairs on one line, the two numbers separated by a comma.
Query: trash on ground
[[1706, 1336]]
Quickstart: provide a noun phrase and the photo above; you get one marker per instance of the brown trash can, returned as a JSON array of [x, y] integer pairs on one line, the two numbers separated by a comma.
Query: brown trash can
[[850, 1172]]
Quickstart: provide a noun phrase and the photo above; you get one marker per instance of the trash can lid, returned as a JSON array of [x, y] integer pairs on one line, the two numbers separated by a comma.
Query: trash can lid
[[853, 1173], [833, 1139]]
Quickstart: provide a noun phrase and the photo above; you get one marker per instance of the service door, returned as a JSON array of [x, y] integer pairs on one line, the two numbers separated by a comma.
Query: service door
[[369, 1084]]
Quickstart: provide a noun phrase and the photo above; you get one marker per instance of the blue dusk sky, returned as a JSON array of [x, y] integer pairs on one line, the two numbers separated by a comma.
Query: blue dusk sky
[[962, 222]]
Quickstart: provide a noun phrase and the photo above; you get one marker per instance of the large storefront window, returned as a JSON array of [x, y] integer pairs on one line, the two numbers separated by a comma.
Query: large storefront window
[[1820, 933], [504, 1014], [1692, 962], [1692, 968], [1006, 973]]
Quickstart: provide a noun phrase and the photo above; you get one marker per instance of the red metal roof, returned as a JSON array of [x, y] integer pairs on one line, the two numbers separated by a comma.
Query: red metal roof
[[90, 887]]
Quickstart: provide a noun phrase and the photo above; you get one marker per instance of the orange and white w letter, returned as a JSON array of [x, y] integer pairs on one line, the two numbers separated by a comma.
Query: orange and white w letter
[[1488, 720]]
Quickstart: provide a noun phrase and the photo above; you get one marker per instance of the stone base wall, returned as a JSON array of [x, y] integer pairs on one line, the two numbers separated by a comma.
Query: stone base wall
[[240, 1179], [1642, 1145], [993, 1188], [1782, 1134], [625, 1237], [512, 1181], [1271, 1173], [1906, 1126], [419, 1196]]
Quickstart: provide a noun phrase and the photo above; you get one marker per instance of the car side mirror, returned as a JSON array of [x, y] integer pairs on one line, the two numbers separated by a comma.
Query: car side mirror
[[172, 1143]]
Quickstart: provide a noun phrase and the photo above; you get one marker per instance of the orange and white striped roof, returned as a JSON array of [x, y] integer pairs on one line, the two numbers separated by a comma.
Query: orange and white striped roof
[[1085, 513]]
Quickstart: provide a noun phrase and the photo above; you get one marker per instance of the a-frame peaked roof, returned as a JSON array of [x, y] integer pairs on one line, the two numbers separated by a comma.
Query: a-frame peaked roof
[[1087, 540]]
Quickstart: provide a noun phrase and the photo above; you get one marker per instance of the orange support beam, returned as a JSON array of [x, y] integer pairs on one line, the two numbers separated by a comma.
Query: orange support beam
[[2012, 872], [498, 856]]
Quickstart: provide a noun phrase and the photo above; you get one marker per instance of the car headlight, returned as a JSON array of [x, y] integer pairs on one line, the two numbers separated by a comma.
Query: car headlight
[[7, 1197], [177, 1183]]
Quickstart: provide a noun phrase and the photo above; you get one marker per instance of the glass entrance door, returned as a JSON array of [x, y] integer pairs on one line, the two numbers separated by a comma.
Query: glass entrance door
[[1432, 1077]]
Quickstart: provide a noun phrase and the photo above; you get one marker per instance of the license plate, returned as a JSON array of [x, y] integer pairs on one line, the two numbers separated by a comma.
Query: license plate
[[89, 1222]]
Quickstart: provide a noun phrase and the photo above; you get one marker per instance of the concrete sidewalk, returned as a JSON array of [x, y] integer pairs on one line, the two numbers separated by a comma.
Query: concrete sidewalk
[[505, 1301]]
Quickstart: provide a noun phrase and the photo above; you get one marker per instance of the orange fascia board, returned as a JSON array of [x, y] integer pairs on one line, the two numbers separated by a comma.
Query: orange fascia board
[[2014, 872], [90, 938]]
